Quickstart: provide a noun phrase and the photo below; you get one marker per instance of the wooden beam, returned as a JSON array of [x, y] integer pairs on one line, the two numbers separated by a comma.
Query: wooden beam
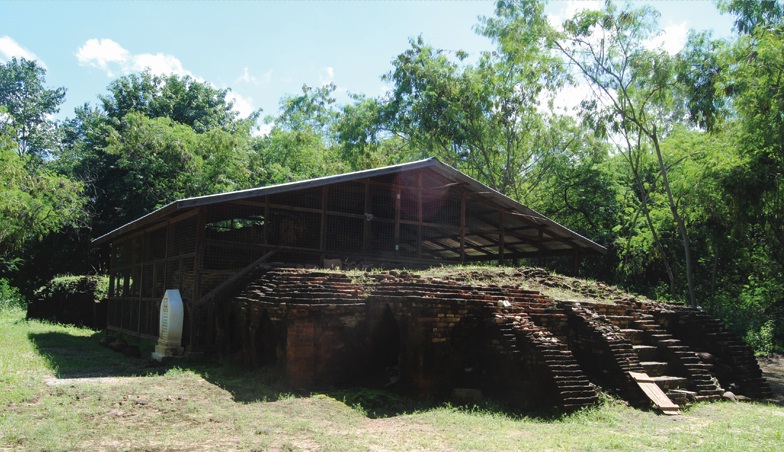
[[367, 224], [397, 220], [237, 276], [197, 267], [419, 214], [501, 248], [323, 232], [462, 225]]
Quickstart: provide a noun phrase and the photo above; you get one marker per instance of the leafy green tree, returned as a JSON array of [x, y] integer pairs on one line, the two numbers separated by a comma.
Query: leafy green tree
[[153, 140], [28, 106], [636, 94], [365, 137], [302, 142], [482, 119], [34, 202], [179, 98]]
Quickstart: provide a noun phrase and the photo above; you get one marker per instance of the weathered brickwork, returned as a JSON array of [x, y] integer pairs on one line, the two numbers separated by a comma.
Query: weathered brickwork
[[434, 337]]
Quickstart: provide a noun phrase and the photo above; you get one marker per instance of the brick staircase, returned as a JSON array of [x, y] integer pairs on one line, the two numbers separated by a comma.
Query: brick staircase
[[286, 285], [675, 368], [734, 364], [517, 315], [572, 387]]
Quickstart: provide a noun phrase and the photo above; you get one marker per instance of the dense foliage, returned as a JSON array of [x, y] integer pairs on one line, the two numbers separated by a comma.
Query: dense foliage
[[674, 162]]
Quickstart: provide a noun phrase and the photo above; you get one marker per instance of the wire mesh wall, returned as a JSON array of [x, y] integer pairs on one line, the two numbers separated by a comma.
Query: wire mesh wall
[[416, 218]]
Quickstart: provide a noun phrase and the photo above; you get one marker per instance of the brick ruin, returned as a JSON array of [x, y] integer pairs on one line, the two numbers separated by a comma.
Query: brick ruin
[[443, 337]]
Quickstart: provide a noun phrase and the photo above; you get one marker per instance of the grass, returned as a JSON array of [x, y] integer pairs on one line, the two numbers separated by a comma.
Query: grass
[[209, 406]]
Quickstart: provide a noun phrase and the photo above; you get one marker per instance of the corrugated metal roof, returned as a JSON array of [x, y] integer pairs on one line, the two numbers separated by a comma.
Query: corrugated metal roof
[[512, 207]]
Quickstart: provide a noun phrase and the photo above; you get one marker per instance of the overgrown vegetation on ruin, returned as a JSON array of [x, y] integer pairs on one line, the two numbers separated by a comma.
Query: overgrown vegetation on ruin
[[674, 163], [62, 391]]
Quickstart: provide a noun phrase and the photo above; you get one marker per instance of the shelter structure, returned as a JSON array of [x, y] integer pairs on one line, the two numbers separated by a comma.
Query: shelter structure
[[410, 215], [244, 264]]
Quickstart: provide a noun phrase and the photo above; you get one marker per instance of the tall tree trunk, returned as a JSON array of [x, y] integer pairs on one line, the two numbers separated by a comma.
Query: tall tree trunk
[[676, 216]]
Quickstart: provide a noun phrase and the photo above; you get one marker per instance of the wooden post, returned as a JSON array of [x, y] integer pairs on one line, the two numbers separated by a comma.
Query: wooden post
[[198, 265], [576, 261], [462, 226], [501, 239], [419, 214], [143, 247], [112, 266], [267, 219], [541, 247], [323, 235], [367, 225], [397, 219]]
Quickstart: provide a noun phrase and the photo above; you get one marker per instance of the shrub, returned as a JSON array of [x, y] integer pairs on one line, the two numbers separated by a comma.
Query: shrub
[[10, 297], [761, 340], [74, 284]]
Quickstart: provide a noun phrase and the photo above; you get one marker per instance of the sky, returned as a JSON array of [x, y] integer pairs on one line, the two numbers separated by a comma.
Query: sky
[[266, 50]]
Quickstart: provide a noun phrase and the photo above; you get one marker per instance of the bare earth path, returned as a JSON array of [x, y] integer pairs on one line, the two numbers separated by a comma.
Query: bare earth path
[[773, 371]]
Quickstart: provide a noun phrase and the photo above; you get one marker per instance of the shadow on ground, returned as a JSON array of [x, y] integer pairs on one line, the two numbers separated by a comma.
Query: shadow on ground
[[82, 357]]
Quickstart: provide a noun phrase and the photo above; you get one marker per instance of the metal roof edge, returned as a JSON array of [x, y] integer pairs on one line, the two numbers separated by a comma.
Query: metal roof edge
[[511, 203], [431, 162], [308, 183], [144, 219], [198, 201]]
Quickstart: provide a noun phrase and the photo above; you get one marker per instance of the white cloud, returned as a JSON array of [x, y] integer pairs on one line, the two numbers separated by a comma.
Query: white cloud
[[110, 57], [247, 77], [570, 8], [671, 40], [103, 54], [243, 105], [263, 130], [328, 76], [10, 49]]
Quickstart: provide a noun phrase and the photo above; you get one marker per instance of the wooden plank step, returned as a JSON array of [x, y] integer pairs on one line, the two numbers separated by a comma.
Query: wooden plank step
[[646, 352], [653, 368], [654, 392]]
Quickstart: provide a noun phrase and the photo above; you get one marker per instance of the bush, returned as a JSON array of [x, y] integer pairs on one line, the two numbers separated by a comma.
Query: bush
[[761, 340], [72, 299], [76, 284], [10, 297]]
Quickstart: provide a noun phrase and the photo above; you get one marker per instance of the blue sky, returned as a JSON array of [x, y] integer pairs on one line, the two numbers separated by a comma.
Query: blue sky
[[262, 50]]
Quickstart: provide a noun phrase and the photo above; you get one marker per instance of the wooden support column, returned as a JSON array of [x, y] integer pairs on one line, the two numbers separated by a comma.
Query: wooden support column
[[112, 266], [462, 226], [541, 247], [323, 234], [198, 266], [419, 214], [501, 239], [144, 239], [397, 219], [267, 219], [367, 225], [576, 261]]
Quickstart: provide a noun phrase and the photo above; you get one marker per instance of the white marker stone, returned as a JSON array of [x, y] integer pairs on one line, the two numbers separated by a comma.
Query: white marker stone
[[170, 331]]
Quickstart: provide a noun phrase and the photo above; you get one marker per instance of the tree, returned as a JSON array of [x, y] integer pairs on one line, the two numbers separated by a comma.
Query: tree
[[179, 98], [484, 119], [33, 203], [153, 140], [302, 142], [636, 92], [28, 107]]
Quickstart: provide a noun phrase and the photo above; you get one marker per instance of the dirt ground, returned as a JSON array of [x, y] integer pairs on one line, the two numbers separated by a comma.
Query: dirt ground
[[773, 371]]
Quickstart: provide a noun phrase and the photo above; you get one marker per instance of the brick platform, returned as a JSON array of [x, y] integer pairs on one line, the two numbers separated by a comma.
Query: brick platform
[[435, 337]]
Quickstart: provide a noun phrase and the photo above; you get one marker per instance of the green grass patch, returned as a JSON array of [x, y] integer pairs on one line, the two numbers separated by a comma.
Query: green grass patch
[[104, 400]]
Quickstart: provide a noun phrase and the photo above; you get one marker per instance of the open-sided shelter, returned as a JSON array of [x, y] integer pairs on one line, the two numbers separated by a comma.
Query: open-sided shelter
[[410, 215]]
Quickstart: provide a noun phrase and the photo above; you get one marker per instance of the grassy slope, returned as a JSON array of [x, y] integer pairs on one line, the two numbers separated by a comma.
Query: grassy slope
[[217, 407]]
